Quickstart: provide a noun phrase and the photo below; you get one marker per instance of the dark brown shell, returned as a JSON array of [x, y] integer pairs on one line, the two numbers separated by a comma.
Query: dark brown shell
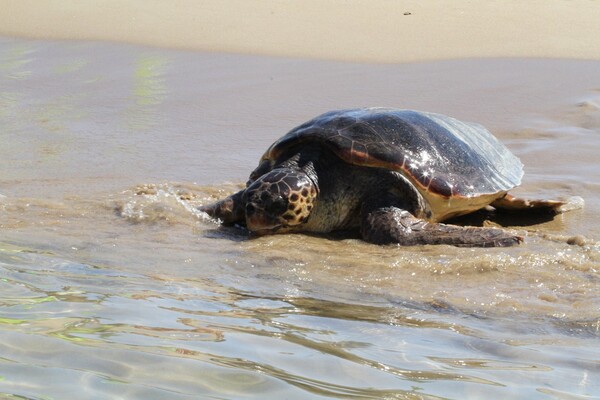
[[442, 155]]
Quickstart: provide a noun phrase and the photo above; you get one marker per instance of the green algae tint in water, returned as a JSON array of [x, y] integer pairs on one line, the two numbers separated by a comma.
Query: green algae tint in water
[[113, 285]]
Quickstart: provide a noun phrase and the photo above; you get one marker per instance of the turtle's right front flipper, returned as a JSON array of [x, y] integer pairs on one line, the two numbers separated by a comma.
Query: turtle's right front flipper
[[230, 210], [393, 225]]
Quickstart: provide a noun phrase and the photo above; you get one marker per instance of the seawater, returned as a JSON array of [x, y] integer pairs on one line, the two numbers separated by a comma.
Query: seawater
[[113, 285]]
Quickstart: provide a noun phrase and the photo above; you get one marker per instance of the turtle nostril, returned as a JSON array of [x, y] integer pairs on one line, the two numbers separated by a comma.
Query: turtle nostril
[[250, 208]]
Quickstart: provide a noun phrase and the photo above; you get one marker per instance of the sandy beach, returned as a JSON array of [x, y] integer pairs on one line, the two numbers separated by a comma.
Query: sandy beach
[[355, 30], [119, 118]]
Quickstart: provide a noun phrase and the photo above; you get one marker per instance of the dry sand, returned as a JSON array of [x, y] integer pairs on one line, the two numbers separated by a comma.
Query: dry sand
[[353, 30]]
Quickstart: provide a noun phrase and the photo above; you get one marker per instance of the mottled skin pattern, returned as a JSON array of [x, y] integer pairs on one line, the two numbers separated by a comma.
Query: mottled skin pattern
[[281, 199], [356, 169]]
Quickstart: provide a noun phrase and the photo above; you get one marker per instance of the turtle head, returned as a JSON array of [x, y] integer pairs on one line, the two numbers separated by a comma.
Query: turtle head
[[279, 201]]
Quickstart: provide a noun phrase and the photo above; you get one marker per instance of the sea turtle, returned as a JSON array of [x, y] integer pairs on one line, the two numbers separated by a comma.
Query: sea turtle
[[392, 174]]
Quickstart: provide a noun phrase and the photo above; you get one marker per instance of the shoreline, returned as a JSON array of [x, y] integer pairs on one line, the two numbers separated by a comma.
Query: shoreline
[[381, 31]]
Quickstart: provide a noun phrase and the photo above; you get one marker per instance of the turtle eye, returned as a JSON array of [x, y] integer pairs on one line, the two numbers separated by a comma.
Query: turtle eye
[[279, 205]]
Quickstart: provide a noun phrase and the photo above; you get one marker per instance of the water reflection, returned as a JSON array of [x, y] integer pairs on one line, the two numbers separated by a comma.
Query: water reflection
[[105, 324], [149, 76], [148, 92]]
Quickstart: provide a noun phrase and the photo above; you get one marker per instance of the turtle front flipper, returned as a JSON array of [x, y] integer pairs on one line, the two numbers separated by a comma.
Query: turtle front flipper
[[393, 225], [230, 210]]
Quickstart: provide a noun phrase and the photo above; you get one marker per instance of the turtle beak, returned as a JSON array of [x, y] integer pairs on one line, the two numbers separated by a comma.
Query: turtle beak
[[260, 224], [262, 229]]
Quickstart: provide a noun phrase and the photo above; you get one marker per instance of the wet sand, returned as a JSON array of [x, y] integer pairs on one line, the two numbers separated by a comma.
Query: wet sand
[[207, 117]]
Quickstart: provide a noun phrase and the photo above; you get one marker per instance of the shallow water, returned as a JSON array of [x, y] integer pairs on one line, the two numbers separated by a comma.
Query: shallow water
[[114, 286]]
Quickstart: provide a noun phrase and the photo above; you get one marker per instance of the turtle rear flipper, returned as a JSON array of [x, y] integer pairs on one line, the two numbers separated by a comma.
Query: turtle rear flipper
[[516, 204], [393, 225]]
